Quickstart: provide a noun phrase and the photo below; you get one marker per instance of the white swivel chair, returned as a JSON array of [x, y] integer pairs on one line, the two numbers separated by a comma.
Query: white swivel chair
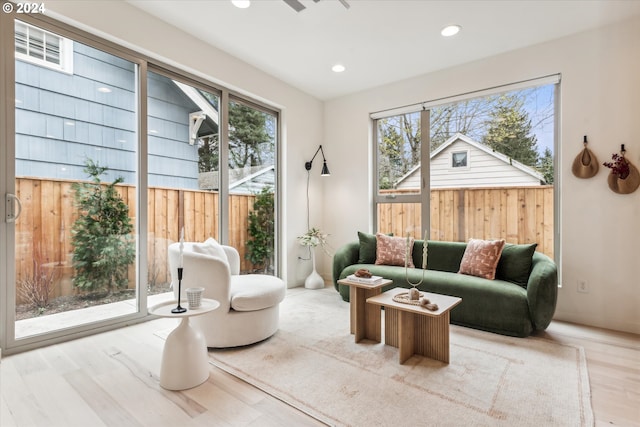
[[249, 304]]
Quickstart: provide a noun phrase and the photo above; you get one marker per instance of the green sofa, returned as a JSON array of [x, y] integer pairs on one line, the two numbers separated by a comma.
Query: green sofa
[[520, 300]]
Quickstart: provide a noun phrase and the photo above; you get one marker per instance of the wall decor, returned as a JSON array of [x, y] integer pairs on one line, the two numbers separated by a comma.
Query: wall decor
[[585, 165], [624, 177]]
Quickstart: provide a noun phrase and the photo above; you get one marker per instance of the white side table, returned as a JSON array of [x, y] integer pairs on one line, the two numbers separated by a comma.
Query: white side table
[[184, 358]]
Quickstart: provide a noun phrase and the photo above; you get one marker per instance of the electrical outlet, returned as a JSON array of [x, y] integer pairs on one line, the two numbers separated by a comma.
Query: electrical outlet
[[582, 286]]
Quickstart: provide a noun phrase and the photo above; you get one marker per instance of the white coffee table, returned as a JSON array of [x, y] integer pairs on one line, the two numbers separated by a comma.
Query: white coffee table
[[184, 358]]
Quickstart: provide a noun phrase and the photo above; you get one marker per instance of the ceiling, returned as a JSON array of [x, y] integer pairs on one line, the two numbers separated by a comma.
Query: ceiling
[[377, 41]]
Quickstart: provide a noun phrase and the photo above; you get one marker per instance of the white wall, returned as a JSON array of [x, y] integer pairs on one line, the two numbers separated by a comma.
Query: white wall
[[600, 97], [302, 114]]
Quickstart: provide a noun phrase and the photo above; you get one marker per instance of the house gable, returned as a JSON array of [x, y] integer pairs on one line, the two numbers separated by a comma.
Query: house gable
[[484, 168]]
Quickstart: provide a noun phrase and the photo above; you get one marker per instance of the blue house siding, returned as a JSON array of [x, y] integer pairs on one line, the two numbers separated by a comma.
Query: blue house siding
[[173, 162], [63, 119]]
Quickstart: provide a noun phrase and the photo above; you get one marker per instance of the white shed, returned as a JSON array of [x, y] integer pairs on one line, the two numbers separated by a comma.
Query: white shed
[[463, 162]]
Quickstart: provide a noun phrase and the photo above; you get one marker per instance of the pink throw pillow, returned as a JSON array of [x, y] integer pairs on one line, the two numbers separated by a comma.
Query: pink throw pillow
[[481, 258], [392, 250]]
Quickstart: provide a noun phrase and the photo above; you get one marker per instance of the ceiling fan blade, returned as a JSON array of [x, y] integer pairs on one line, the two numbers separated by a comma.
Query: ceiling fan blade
[[295, 5], [298, 6]]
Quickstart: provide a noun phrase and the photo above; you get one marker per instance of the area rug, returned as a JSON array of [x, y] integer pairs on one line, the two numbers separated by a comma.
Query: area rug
[[313, 364]]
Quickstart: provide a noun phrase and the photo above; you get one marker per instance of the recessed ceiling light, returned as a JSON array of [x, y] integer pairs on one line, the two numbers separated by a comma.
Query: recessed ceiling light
[[241, 4], [450, 30], [104, 90], [338, 68]]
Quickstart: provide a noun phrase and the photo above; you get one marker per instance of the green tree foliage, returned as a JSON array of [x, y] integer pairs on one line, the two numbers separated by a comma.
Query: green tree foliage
[[208, 153], [509, 131], [545, 166], [399, 145], [103, 247], [390, 147], [260, 246], [208, 146], [248, 131]]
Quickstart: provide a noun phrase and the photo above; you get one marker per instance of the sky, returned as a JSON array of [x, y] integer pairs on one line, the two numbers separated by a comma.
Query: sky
[[537, 104]]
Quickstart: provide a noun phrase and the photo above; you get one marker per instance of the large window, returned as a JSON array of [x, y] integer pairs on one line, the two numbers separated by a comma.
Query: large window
[[252, 183], [480, 167]]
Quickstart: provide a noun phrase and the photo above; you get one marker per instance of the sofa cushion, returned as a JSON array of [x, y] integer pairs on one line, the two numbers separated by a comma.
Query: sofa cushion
[[515, 263], [496, 306], [443, 256], [481, 258], [368, 243], [393, 250], [251, 292], [367, 254]]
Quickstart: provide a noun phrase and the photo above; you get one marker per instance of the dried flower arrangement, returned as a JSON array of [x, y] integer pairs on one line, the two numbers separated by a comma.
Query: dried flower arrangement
[[314, 237], [619, 166]]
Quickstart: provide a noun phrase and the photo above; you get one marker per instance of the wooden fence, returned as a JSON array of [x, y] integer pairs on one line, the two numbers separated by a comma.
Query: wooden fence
[[516, 214], [43, 230]]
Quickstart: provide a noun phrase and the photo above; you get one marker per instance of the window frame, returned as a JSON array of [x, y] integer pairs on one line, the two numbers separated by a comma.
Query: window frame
[[467, 159], [423, 197]]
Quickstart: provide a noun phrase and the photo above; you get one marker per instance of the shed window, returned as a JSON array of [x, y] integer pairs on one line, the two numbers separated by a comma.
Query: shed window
[[459, 159], [43, 48]]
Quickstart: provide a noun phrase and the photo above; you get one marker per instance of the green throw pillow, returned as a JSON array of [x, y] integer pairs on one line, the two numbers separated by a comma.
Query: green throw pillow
[[368, 245], [515, 263]]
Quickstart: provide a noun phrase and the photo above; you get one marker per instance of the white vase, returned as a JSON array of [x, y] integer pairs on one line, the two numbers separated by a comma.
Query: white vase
[[314, 280]]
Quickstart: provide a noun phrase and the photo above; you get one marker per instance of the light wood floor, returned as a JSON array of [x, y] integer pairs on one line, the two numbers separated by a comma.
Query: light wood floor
[[111, 379], [613, 361]]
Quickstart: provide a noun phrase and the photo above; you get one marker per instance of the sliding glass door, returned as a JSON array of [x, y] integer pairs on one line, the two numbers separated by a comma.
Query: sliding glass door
[[108, 157], [75, 155]]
